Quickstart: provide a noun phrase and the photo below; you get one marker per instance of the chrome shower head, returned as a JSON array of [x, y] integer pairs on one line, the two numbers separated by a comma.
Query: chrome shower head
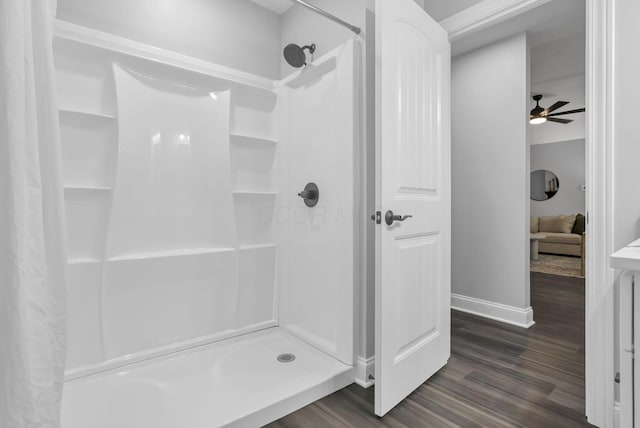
[[295, 55]]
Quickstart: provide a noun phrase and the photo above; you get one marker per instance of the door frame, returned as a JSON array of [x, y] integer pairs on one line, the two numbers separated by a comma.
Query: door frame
[[599, 289]]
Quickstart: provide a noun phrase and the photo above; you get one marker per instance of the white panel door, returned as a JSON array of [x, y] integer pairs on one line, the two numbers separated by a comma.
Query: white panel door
[[413, 281]]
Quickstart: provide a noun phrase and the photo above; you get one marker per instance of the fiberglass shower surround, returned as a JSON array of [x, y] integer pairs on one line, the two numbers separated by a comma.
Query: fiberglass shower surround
[[188, 240]]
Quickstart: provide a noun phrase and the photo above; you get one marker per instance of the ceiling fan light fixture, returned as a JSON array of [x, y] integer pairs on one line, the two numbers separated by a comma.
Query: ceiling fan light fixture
[[537, 111], [541, 115]]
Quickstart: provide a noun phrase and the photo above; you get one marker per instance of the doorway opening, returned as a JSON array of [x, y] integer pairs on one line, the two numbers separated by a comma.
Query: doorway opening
[[501, 196]]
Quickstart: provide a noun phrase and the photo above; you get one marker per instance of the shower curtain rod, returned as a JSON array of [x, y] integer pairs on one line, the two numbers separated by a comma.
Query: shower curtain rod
[[328, 15]]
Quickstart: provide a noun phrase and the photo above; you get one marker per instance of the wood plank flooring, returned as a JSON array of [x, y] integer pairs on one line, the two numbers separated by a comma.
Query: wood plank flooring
[[498, 375]]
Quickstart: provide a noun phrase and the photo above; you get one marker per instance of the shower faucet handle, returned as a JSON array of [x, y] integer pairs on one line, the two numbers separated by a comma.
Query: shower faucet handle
[[310, 194]]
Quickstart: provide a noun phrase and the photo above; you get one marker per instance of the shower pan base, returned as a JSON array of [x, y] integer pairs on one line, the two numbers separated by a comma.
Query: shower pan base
[[237, 382]]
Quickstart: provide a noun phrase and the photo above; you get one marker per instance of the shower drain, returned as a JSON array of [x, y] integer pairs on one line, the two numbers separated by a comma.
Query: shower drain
[[286, 358]]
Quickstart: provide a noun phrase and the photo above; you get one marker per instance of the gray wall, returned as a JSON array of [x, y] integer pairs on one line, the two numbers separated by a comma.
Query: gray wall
[[490, 172], [233, 33], [567, 161]]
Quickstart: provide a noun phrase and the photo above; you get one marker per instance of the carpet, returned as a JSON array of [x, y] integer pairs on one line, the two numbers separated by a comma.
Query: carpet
[[557, 265]]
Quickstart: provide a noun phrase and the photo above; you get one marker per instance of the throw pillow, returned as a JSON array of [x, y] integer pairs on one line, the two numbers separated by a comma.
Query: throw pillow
[[579, 225], [564, 223]]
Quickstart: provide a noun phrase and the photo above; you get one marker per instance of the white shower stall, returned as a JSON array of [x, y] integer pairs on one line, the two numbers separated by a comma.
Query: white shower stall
[[246, 238], [193, 262]]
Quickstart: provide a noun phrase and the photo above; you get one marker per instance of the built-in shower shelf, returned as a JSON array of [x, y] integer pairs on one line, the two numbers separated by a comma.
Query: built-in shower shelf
[[170, 253], [86, 188], [246, 139], [81, 261], [93, 114], [252, 193], [256, 246]]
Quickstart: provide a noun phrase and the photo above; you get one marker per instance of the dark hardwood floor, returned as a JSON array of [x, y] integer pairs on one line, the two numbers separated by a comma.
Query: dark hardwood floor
[[498, 375]]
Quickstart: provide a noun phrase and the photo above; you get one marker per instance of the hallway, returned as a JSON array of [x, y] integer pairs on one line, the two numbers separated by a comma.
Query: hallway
[[498, 375]]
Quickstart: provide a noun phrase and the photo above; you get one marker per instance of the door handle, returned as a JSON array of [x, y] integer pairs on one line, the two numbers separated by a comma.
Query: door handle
[[389, 217]]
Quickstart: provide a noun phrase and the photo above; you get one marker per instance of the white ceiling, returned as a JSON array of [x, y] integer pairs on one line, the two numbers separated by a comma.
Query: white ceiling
[[552, 21], [277, 6], [441, 9]]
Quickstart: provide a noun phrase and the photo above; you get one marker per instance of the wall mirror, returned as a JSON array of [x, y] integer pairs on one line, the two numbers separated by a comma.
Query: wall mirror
[[544, 185]]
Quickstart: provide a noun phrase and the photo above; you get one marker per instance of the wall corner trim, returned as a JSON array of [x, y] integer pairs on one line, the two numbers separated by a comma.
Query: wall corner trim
[[492, 310], [365, 367], [485, 14]]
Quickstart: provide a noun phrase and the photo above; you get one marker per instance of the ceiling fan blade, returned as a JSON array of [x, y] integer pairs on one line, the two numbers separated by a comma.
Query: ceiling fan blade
[[578, 110], [563, 121], [557, 105]]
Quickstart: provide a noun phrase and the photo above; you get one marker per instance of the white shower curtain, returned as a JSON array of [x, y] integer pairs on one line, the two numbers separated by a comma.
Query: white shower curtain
[[32, 236]]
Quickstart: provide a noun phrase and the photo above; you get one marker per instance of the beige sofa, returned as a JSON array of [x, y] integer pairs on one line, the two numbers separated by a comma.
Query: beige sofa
[[564, 234]]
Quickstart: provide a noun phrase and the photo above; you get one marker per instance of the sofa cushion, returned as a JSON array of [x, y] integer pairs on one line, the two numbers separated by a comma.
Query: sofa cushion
[[534, 224], [562, 238], [556, 224], [546, 224], [579, 226], [563, 249]]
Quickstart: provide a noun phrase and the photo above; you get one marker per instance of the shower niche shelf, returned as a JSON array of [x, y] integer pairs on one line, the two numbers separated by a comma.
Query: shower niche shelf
[[79, 261], [256, 246], [252, 163], [252, 113], [253, 193], [89, 149], [87, 189], [84, 79], [250, 140], [186, 252], [66, 111]]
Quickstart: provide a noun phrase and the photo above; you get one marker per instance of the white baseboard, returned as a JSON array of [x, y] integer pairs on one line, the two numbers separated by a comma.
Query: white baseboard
[[616, 414], [365, 367], [492, 310]]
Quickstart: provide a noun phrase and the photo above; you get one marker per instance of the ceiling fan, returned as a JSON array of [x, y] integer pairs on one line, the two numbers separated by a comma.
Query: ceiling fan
[[542, 115]]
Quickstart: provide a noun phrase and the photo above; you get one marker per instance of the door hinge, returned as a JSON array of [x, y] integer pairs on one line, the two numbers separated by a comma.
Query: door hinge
[[377, 217]]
